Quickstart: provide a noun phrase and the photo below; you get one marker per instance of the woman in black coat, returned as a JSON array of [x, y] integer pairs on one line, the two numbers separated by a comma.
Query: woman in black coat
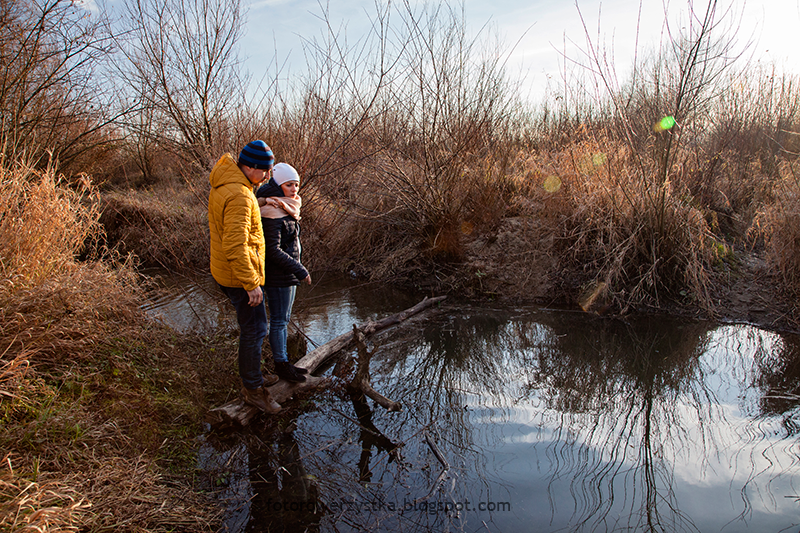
[[280, 214]]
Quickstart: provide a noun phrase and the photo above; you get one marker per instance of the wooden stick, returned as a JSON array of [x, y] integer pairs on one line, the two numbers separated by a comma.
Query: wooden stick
[[361, 381]]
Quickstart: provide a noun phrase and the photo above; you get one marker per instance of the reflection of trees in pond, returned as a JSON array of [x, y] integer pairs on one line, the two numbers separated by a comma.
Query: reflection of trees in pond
[[261, 477], [769, 445], [285, 496], [620, 391], [617, 394], [779, 380], [624, 410], [460, 367]]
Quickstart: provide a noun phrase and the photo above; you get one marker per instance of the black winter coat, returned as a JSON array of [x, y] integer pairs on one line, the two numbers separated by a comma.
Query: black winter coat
[[282, 244]]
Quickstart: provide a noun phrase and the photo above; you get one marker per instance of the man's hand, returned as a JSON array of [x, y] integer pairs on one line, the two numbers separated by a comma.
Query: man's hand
[[307, 280], [256, 296]]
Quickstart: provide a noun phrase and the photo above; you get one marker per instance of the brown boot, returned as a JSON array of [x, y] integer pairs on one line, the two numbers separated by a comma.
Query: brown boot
[[260, 398], [270, 380]]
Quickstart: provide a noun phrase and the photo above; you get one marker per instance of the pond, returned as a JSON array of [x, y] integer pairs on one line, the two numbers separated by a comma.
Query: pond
[[527, 419]]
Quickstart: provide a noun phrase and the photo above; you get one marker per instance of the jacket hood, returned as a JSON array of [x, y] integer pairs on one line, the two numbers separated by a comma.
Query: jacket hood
[[227, 172], [270, 189]]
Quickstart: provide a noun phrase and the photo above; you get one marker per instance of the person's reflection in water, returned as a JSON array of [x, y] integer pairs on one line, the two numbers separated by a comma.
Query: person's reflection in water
[[286, 498]]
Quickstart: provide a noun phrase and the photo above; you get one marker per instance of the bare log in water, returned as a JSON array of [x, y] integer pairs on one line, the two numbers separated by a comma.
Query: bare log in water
[[361, 381], [238, 413]]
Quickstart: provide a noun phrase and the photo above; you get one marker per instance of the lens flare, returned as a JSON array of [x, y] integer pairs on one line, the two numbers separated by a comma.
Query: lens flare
[[552, 183], [666, 123]]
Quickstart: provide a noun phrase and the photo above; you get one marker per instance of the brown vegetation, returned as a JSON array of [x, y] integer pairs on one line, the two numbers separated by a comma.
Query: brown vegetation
[[419, 165], [89, 388], [167, 229]]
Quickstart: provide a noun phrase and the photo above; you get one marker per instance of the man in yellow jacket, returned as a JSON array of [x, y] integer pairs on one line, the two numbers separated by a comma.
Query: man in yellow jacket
[[237, 259]]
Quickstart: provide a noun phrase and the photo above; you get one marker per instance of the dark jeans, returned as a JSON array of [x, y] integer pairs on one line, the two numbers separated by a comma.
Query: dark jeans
[[252, 330], [280, 301]]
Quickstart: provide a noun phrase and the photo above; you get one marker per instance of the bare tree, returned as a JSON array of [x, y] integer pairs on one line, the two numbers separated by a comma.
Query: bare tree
[[53, 102], [449, 103], [679, 82], [182, 69]]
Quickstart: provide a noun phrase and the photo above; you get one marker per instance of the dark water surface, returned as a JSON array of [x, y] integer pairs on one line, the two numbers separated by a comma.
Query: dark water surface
[[526, 420]]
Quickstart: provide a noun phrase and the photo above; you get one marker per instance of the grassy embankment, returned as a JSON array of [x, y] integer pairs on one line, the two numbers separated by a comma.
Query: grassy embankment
[[98, 405]]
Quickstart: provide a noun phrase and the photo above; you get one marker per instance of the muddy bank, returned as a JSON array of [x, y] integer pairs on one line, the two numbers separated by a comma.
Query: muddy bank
[[517, 264]]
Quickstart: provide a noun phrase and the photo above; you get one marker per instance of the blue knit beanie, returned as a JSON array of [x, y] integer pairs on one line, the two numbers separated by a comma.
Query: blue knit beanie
[[257, 155]]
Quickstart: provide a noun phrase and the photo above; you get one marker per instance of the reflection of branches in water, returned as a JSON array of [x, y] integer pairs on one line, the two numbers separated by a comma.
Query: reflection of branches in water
[[768, 439], [366, 492], [459, 373], [456, 363], [779, 380], [285, 497], [461, 357], [622, 388], [621, 407]]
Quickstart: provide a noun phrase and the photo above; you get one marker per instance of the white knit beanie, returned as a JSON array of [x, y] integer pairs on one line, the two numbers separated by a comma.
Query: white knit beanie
[[283, 172]]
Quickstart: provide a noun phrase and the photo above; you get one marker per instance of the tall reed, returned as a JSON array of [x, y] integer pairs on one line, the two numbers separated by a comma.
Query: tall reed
[[44, 222]]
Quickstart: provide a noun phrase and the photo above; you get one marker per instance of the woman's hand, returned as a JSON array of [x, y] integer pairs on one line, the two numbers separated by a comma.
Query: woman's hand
[[307, 280], [262, 201]]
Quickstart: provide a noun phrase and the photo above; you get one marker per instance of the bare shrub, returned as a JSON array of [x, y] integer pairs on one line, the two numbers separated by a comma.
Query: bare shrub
[[53, 100], [421, 151], [630, 221], [180, 64]]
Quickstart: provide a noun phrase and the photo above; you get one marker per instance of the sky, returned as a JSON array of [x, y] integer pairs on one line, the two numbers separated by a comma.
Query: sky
[[536, 33]]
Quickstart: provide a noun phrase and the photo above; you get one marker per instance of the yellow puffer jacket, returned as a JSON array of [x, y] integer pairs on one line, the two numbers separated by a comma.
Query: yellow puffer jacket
[[237, 240]]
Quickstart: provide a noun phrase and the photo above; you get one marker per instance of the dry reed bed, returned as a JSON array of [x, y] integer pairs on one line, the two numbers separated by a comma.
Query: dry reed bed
[[82, 426], [779, 225]]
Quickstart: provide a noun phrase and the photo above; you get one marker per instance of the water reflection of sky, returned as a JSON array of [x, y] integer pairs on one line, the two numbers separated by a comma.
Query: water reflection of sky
[[719, 465], [729, 470], [579, 423]]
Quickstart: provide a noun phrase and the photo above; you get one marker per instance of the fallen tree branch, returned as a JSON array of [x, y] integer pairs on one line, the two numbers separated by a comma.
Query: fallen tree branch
[[237, 413], [361, 381], [317, 357]]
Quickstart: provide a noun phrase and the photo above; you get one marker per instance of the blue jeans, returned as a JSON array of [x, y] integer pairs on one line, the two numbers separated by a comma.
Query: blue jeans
[[252, 330], [280, 301]]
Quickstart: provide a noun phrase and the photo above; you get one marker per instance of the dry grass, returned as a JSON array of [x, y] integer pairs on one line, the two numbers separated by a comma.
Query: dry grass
[[614, 239], [642, 240], [42, 223], [165, 227], [100, 493], [89, 388], [779, 226]]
